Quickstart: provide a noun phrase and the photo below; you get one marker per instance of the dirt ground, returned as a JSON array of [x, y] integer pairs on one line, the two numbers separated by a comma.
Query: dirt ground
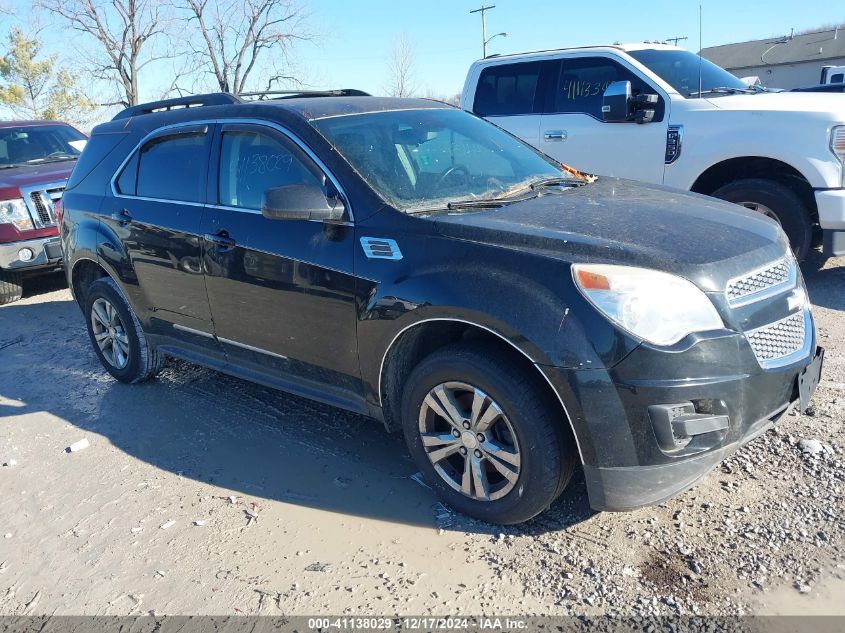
[[203, 494]]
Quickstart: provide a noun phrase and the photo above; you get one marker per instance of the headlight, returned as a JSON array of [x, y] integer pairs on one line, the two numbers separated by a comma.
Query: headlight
[[14, 212], [837, 146], [657, 307]]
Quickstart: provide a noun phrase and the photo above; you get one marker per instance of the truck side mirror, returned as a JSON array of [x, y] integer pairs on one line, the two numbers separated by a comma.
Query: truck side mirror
[[617, 106]]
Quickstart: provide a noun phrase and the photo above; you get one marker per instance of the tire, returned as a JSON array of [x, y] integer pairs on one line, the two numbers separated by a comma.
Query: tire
[[783, 204], [141, 361], [11, 287], [528, 426]]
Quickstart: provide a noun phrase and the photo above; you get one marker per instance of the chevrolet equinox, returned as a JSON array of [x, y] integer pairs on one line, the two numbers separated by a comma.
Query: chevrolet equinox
[[406, 260]]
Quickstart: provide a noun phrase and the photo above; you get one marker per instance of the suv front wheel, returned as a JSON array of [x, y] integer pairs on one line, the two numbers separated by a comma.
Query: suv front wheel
[[484, 436], [116, 334]]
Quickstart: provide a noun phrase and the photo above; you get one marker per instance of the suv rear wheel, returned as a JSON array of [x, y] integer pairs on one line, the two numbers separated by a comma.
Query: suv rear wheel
[[777, 201], [11, 287], [483, 435], [116, 334]]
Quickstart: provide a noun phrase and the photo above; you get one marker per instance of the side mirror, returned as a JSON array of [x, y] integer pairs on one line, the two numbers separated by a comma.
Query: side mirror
[[619, 106], [300, 202]]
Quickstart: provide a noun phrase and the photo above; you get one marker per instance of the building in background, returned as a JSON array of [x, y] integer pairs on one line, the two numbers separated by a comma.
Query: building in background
[[787, 62]]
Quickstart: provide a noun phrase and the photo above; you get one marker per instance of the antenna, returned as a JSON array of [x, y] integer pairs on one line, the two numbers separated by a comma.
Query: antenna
[[699, 51]]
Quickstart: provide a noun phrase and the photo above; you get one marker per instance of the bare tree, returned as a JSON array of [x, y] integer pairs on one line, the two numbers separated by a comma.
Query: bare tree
[[125, 32], [234, 37], [401, 68]]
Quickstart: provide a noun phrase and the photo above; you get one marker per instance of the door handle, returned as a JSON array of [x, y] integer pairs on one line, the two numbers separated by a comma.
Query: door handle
[[555, 135], [221, 239], [122, 217]]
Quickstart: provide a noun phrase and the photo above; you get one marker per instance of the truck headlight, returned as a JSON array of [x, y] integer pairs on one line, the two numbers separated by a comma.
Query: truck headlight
[[837, 146], [15, 212], [653, 306]]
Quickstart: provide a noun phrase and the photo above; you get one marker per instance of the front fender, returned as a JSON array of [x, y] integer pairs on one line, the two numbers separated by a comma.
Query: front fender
[[526, 299], [715, 136]]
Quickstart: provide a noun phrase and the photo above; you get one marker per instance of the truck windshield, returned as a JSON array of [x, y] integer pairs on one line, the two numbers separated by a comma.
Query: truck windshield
[[36, 144], [420, 160], [680, 69]]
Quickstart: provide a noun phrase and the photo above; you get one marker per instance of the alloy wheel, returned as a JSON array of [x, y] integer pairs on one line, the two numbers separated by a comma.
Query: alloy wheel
[[109, 333], [470, 441]]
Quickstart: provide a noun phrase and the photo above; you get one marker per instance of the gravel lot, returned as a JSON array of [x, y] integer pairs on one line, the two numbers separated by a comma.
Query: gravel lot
[[203, 494]]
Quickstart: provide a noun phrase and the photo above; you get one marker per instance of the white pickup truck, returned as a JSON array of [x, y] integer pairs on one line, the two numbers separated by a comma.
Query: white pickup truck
[[661, 114]]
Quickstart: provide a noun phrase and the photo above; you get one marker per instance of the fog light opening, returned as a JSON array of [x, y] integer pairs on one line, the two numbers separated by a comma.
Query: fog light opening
[[26, 254]]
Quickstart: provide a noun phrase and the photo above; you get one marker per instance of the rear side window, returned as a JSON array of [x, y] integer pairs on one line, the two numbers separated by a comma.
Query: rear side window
[[583, 80], [507, 89], [838, 78], [169, 168]]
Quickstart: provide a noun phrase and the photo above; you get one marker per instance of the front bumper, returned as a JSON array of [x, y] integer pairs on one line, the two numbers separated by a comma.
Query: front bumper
[[627, 463], [628, 488], [831, 206], [46, 252]]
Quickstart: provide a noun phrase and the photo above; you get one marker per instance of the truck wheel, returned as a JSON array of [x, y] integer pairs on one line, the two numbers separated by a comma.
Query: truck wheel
[[777, 201], [11, 287], [116, 334], [484, 436]]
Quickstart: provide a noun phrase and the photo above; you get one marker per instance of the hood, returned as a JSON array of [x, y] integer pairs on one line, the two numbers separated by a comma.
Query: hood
[[616, 221], [29, 175], [815, 102]]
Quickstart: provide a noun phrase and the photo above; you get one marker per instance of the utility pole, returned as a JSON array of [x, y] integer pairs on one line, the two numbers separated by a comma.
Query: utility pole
[[675, 40], [482, 10]]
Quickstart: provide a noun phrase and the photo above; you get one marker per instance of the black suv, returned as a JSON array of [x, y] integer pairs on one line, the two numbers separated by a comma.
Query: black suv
[[407, 260]]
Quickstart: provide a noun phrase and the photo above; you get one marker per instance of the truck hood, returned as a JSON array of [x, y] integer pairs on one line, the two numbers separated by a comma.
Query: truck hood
[[29, 175], [816, 102], [622, 222]]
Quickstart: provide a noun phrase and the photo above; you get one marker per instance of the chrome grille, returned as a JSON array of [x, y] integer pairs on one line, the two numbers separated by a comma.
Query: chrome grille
[[777, 341], [760, 283], [40, 200]]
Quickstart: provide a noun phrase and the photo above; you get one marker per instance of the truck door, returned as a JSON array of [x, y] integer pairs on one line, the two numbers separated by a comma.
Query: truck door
[[574, 132], [510, 96]]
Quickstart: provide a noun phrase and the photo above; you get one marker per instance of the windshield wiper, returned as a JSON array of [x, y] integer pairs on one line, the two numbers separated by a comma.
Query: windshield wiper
[[721, 90], [51, 159], [476, 203], [558, 180]]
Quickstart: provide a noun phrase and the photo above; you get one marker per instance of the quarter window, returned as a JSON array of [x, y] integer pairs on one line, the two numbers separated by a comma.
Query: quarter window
[[582, 82], [252, 162], [507, 89], [171, 168]]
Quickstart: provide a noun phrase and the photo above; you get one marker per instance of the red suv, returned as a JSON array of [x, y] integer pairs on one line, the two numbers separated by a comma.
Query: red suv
[[36, 158]]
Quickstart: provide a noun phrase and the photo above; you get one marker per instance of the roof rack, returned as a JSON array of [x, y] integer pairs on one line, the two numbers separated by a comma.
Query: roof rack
[[293, 94], [214, 98]]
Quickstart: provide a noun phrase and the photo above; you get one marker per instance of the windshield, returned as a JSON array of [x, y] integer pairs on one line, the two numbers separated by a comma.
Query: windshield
[[36, 144], [430, 159], [680, 69]]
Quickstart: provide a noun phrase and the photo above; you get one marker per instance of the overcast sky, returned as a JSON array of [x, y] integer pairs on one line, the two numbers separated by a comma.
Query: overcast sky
[[355, 37]]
